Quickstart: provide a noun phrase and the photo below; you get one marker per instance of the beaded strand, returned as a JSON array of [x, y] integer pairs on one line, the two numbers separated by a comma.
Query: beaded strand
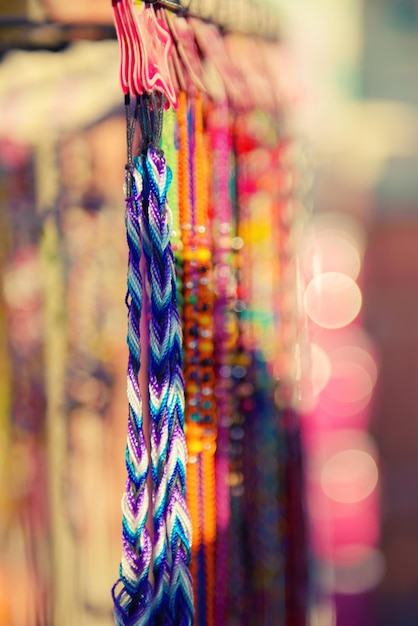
[[218, 128], [192, 431], [199, 351], [205, 307]]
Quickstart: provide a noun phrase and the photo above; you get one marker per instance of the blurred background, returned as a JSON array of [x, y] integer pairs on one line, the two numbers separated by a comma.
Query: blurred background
[[358, 74], [351, 69]]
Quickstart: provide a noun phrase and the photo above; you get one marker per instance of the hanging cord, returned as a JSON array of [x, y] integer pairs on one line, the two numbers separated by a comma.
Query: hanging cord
[[264, 452], [242, 463], [169, 145], [131, 120], [193, 167], [132, 603], [193, 431], [173, 598], [207, 406], [218, 124]]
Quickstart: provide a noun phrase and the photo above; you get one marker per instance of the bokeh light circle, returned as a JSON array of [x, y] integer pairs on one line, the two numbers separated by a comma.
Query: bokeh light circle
[[349, 476], [332, 300]]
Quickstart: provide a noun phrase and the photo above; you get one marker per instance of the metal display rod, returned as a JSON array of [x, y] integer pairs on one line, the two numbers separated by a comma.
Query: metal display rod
[[248, 17]]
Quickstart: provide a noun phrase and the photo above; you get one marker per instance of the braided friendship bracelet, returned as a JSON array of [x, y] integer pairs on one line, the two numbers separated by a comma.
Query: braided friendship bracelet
[[169, 600], [158, 372], [133, 602], [172, 527]]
